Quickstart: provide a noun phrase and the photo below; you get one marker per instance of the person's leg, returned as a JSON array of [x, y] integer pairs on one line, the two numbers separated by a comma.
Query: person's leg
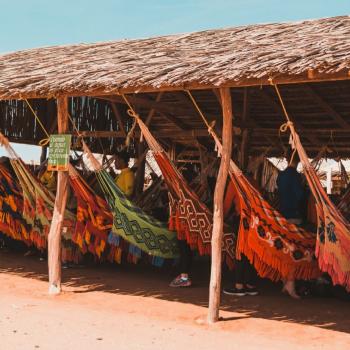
[[289, 286], [238, 289], [289, 282], [186, 257], [239, 273], [250, 276]]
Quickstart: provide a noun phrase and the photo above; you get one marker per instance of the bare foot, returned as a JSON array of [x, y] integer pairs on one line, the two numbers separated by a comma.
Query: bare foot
[[289, 288]]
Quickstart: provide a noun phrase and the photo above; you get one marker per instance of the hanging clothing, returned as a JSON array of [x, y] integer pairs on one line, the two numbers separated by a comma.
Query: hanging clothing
[[125, 181], [290, 192]]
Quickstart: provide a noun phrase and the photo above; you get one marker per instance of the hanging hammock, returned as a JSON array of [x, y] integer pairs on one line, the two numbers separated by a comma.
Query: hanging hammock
[[191, 219], [130, 222], [94, 219], [38, 204], [333, 233], [94, 224], [11, 207], [276, 248]]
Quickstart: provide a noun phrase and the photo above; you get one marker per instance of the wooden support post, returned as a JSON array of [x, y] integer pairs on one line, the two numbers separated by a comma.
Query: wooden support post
[[141, 167], [43, 155], [218, 217], [54, 238], [243, 161]]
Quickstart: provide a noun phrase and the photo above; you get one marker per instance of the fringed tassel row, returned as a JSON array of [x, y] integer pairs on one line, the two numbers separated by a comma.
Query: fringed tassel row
[[269, 265], [331, 266]]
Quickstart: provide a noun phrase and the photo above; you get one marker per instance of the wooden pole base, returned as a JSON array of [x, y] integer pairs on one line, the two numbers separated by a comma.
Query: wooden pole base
[[54, 237], [218, 217]]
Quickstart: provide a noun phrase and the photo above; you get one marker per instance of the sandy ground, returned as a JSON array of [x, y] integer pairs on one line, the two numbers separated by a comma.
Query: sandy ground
[[111, 307]]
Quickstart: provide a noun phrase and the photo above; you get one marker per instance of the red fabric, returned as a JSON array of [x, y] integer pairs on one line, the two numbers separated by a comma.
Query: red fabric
[[191, 219], [277, 248]]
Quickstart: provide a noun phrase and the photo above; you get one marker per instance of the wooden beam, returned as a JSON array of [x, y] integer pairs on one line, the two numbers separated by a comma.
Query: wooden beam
[[52, 112], [243, 156], [54, 237], [119, 118], [218, 216], [100, 134], [278, 109], [326, 107], [152, 111], [166, 110], [43, 155], [280, 79]]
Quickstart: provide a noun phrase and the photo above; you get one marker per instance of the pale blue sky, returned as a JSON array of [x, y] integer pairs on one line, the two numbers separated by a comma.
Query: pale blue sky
[[35, 23]]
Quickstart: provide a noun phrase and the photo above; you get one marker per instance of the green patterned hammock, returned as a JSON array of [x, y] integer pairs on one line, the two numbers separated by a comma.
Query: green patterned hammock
[[131, 223]]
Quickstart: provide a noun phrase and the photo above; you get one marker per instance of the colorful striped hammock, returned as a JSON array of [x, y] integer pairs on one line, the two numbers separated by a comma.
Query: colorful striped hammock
[[93, 219], [38, 205], [130, 222], [12, 222]]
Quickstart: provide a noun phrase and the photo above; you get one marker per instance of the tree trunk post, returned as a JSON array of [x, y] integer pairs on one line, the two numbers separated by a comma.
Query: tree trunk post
[[218, 217], [43, 155], [243, 161], [54, 237]]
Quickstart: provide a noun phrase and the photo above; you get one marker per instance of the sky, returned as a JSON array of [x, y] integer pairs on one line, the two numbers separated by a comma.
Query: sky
[[27, 24]]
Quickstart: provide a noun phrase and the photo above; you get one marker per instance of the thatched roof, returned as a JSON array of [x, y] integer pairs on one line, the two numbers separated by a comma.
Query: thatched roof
[[238, 56]]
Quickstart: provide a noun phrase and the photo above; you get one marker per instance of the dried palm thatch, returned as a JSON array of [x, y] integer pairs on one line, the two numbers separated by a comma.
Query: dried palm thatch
[[238, 56]]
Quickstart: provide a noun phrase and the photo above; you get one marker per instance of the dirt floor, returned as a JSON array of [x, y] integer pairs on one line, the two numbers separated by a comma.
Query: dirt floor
[[132, 307]]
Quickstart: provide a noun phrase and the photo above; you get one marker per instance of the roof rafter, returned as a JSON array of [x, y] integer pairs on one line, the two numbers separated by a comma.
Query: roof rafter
[[326, 107]]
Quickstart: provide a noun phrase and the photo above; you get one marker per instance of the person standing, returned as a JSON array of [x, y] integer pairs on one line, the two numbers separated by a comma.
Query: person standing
[[126, 179], [291, 193]]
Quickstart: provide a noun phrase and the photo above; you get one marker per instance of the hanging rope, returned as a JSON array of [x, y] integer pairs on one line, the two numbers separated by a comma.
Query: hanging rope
[[45, 141], [199, 111], [132, 113]]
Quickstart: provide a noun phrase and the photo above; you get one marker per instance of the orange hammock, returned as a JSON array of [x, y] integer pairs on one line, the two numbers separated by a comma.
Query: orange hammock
[[94, 219], [333, 233], [190, 218], [12, 222], [276, 248]]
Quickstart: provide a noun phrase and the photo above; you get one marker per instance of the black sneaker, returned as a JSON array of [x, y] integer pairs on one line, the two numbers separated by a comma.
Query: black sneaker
[[235, 291], [251, 291]]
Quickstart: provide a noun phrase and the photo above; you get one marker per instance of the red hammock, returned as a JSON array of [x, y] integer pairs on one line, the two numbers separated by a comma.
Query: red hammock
[[191, 219], [94, 219], [276, 248]]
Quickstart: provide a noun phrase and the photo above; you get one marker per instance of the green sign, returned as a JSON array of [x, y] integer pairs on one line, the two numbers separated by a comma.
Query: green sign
[[59, 152]]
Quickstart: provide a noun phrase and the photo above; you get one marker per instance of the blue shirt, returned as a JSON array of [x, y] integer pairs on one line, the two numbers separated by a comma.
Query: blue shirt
[[291, 193]]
